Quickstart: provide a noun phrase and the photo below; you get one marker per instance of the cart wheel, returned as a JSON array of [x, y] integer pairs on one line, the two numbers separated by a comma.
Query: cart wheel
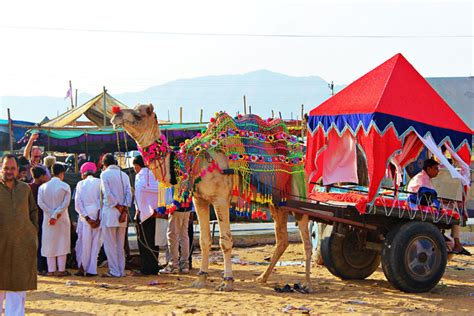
[[414, 257], [344, 259]]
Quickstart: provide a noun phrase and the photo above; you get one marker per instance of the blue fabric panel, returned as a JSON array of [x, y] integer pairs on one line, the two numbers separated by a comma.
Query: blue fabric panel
[[382, 120]]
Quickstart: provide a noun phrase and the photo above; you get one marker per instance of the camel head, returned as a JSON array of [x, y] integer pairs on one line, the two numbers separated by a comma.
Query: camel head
[[141, 124]]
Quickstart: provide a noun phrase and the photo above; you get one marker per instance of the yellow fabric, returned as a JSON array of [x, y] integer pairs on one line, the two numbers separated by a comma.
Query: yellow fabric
[[92, 109]]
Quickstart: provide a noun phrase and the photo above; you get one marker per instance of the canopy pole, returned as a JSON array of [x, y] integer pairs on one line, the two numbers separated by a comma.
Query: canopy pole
[[10, 130], [105, 108], [70, 95], [75, 101], [76, 163]]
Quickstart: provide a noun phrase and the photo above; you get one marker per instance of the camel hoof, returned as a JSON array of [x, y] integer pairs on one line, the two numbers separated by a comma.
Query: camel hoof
[[201, 281], [226, 286], [261, 279]]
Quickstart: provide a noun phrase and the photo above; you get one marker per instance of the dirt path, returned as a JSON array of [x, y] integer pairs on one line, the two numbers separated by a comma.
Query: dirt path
[[173, 294]]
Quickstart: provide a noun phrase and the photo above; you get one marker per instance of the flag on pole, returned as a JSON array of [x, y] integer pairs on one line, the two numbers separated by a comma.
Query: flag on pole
[[68, 93]]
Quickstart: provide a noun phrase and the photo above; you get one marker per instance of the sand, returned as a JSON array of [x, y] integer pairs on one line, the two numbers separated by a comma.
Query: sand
[[173, 295]]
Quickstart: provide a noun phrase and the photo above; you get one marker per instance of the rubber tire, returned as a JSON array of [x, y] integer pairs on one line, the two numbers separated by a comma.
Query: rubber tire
[[393, 256], [332, 250]]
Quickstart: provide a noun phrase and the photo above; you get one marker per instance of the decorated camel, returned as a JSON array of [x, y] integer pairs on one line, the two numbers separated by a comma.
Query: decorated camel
[[238, 164]]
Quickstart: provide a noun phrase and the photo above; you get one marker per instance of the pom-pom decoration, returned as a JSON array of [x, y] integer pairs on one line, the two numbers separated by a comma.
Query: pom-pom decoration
[[116, 109]]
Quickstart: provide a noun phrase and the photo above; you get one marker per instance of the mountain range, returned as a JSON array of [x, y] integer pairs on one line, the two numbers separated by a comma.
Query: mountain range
[[264, 90]]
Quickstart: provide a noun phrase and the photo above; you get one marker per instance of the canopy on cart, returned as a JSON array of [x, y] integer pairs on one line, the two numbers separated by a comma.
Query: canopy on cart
[[390, 113]]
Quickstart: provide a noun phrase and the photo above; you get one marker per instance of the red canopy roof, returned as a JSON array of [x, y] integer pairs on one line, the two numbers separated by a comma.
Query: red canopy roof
[[394, 88]]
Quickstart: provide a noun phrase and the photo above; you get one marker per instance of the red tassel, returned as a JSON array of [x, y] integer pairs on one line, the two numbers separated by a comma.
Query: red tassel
[[116, 109]]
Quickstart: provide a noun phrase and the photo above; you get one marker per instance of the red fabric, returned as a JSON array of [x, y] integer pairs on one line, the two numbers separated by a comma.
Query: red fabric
[[395, 88], [349, 197], [378, 149], [465, 154], [314, 157], [389, 202], [411, 150]]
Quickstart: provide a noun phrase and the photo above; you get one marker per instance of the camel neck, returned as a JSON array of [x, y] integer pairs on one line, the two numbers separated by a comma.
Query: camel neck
[[148, 136]]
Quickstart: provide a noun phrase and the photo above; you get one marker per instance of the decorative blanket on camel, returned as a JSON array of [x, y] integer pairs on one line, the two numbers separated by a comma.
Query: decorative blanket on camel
[[267, 162]]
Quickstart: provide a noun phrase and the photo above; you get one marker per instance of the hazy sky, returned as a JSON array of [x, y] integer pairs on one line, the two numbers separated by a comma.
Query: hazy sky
[[82, 41]]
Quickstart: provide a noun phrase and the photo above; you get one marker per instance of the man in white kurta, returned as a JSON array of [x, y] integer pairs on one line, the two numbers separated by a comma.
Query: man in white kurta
[[87, 204], [54, 198], [117, 196]]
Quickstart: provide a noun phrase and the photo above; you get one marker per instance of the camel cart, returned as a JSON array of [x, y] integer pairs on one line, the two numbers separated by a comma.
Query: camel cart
[[389, 115]]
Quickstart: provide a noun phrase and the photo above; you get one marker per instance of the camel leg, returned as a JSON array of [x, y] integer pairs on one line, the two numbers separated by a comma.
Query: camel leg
[[280, 218], [319, 257], [221, 208], [202, 210], [303, 221]]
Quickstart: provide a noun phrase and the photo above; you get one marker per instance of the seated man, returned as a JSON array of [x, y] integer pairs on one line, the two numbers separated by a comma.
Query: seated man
[[422, 182]]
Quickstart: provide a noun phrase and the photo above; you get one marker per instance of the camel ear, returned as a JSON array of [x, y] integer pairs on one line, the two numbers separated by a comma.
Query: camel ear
[[149, 109]]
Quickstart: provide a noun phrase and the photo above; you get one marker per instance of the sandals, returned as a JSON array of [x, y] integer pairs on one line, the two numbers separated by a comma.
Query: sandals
[[63, 273], [300, 289], [288, 289], [285, 289]]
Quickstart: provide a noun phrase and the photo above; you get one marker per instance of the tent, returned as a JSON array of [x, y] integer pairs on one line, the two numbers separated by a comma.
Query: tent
[[86, 140], [18, 133], [390, 113], [92, 109]]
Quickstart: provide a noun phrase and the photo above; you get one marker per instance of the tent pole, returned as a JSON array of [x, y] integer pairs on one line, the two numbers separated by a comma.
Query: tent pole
[[70, 89], [10, 130], [105, 109], [76, 163]]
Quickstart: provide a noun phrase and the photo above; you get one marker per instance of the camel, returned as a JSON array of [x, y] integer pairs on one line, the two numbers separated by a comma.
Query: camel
[[215, 188]]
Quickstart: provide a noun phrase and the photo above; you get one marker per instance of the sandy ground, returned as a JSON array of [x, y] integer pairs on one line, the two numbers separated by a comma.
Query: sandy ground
[[173, 294]]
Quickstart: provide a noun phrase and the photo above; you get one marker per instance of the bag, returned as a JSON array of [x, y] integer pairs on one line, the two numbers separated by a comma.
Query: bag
[[161, 228]]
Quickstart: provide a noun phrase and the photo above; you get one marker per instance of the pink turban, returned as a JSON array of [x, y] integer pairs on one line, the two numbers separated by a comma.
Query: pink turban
[[88, 166]]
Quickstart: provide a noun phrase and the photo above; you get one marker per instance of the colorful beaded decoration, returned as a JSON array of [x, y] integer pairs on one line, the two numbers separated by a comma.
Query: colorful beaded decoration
[[266, 159], [159, 149]]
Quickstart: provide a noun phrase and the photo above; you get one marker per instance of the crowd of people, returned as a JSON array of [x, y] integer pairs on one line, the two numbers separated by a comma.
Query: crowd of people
[[37, 229]]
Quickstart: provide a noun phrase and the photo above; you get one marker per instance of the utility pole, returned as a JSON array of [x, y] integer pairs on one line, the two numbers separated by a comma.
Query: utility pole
[[331, 86]]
